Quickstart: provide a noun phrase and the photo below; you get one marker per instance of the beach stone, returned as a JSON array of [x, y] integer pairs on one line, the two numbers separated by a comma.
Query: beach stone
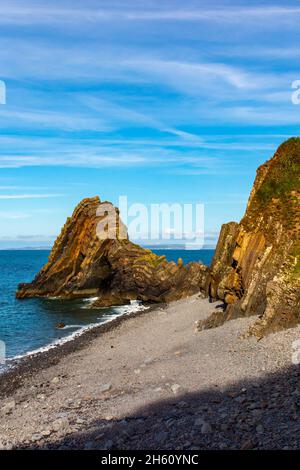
[[46, 432], [224, 427], [232, 394], [175, 388], [254, 406], [8, 407], [36, 437], [206, 428], [80, 421], [9, 446], [198, 422], [161, 436], [137, 371], [259, 429], [61, 424], [77, 404], [148, 360], [86, 398], [41, 397], [105, 388], [178, 353], [182, 404], [89, 445], [55, 380], [62, 414], [247, 445], [240, 400], [222, 445], [108, 444]]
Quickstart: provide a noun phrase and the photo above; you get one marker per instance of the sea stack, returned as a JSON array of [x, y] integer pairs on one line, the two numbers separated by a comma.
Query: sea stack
[[114, 270], [256, 267]]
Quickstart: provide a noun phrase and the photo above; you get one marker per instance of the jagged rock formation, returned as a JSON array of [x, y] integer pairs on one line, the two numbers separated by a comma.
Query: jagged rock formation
[[113, 269], [256, 268]]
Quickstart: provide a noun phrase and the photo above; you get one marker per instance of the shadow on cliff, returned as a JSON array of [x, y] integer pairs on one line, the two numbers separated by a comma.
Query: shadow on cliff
[[261, 414]]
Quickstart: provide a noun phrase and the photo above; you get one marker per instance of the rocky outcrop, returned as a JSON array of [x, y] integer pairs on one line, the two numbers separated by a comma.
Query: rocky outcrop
[[87, 263], [256, 268]]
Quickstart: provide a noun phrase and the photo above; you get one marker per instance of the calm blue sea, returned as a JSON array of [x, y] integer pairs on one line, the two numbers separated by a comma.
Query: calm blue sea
[[30, 324]]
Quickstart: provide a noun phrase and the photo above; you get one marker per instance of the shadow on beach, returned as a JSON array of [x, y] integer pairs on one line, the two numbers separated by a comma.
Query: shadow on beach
[[263, 414]]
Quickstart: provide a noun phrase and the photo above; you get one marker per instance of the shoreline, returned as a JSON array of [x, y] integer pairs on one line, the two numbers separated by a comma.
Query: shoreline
[[22, 367], [154, 382]]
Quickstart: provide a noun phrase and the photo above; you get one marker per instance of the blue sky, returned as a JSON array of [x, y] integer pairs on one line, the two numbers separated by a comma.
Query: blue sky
[[163, 101]]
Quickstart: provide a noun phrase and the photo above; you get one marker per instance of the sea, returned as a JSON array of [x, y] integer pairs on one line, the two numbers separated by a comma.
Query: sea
[[30, 325]]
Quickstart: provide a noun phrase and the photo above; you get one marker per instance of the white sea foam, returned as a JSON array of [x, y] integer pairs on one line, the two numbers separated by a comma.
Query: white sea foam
[[90, 299], [70, 327], [134, 306]]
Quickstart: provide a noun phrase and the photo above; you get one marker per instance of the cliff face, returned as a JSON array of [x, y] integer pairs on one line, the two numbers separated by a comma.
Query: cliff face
[[114, 270], [256, 268]]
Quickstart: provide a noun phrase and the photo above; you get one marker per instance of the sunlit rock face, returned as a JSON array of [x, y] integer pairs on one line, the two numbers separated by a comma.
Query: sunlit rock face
[[255, 271], [256, 268], [83, 263]]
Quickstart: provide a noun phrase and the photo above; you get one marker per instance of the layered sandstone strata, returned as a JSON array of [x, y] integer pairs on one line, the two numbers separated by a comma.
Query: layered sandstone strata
[[115, 270], [256, 268]]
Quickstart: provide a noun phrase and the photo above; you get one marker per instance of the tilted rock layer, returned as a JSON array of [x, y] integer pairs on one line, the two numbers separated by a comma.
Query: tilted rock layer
[[113, 269], [256, 268]]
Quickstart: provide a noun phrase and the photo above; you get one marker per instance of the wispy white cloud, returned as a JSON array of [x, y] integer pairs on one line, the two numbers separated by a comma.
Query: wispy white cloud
[[77, 159], [167, 87], [71, 121], [33, 13], [116, 158], [209, 152], [247, 142], [14, 215], [215, 14], [29, 196], [122, 114], [185, 74], [263, 116], [23, 188], [212, 80], [33, 237]]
